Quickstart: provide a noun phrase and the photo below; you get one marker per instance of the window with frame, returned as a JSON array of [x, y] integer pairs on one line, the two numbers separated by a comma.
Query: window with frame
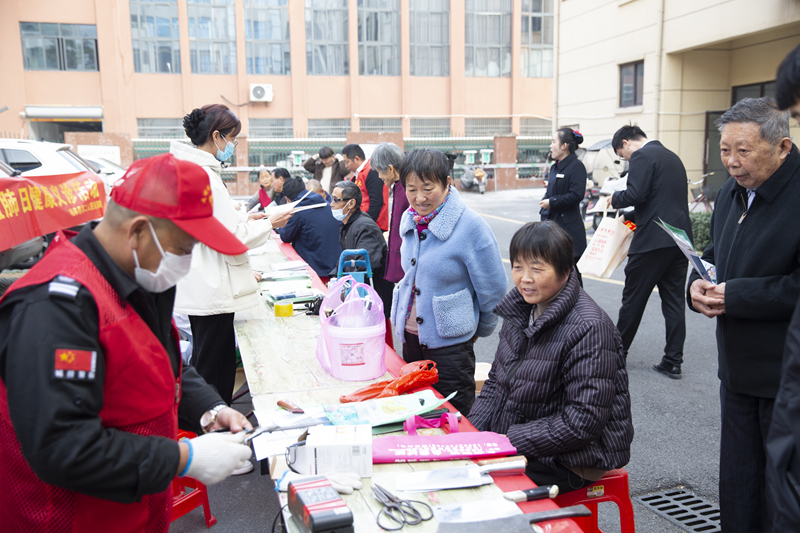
[[155, 36], [755, 90], [266, 32], [59, 46], [328, 127], [631, 84], [430, 127], [392, 125], [164, 128], [326, 38], [482, 127], [429, 37], [379, 37], [212, 36], [537, 39], [270, 127], [487, 39]]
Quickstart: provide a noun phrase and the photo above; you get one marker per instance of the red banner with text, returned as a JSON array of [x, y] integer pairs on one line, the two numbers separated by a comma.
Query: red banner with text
[[38, 205]]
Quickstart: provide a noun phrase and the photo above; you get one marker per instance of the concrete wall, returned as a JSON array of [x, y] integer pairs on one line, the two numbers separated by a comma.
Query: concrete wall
[[708, 47], [127, 96]]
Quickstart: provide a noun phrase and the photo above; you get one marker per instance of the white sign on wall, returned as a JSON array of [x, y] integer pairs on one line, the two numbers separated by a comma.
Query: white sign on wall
[[109, 153]]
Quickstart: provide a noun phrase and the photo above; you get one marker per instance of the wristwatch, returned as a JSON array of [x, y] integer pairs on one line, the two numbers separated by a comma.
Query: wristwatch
[[210, 416]]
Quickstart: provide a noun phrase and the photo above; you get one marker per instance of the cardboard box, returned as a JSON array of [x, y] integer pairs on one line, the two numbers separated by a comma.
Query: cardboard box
[[336, 449]]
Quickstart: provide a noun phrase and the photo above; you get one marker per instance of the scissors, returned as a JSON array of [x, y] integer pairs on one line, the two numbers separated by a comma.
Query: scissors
[[399, 511]]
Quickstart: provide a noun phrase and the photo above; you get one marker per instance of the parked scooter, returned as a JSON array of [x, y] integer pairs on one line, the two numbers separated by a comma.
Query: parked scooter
[[474, 180], [589, 198], [603, 203]]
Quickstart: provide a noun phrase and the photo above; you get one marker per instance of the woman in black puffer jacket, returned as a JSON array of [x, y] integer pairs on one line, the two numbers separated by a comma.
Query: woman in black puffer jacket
[[558, 387]]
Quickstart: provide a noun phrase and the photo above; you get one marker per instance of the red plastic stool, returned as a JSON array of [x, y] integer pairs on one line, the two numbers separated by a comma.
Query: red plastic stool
[[613, 487], [186, 502]]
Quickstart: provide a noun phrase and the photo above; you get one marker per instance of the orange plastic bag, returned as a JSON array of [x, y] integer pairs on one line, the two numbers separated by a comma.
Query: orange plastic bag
[[412, 376]]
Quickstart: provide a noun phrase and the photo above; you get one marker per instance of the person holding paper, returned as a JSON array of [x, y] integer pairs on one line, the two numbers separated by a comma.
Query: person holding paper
[[755, 245], [657, 188], [219, 285], [93, 389], [312, 231]]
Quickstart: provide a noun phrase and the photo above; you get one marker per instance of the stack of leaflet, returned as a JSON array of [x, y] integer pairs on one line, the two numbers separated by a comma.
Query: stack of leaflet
[[290, 266], [288, 286]]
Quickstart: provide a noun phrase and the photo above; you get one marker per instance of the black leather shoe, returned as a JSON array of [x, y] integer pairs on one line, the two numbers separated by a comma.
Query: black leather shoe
[[669, 370]]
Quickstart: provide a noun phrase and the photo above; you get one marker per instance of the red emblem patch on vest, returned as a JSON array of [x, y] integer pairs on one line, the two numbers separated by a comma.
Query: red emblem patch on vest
[[75, 364]]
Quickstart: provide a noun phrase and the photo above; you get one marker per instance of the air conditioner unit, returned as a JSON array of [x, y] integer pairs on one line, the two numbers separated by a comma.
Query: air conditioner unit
[[261, 92]]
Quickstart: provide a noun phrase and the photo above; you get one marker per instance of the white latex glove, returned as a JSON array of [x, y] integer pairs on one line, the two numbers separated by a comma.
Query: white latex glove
[[343, 483], [215, 456]]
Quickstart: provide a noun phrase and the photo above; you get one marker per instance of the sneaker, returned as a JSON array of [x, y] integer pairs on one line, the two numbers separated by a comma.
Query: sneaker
[[246, 469], [668, 369]]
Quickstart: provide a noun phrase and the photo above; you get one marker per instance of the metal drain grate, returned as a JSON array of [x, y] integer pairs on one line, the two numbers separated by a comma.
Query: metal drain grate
[[684, 509]]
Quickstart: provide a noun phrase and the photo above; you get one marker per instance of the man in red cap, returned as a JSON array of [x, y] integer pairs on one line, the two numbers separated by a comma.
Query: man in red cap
[[92, 386]]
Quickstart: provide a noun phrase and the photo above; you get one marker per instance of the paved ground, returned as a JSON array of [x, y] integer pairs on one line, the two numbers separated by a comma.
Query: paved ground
[[676, 422]]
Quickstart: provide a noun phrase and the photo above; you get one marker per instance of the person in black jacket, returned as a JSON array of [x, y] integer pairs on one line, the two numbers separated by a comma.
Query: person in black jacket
[[755, 244], [657, 188], [558, 387], [279, 177], [312, 232], [783, 465], [566, 188], [358, 230]]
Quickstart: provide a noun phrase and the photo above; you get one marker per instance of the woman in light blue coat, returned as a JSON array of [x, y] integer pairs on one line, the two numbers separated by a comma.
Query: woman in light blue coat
[[454, 276]]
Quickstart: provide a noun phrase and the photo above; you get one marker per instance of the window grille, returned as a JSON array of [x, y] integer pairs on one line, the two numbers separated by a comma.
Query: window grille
[[326, 38], [430, 127], [266, 32], [429, 37], [271, 127], [328, 127], [394, 125], [164, 128], [155, 36], [487, 49], [480, 127], [212, 36]]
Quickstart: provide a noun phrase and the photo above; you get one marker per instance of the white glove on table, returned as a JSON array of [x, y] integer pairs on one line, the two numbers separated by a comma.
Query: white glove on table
[[344, 483], [214, 456]]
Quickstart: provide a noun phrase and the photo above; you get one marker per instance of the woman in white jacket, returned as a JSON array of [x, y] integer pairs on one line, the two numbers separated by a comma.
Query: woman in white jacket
[[218, 285]]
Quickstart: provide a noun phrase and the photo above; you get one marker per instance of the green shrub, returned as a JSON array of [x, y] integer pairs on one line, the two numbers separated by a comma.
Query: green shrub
[[700, 228]]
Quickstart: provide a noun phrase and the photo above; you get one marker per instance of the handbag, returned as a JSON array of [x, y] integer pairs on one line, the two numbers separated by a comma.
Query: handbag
[[608, 247]]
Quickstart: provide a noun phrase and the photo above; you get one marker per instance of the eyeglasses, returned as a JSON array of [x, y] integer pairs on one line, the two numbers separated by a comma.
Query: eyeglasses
[[335, 200], [235, 141]]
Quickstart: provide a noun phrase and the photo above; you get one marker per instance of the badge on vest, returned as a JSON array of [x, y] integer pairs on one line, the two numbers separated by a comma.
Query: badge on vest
[[559, 175], [75, 364]]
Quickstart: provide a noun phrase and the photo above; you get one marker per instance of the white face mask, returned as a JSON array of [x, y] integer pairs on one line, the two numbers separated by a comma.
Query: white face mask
[[339, 214], [171, 269]]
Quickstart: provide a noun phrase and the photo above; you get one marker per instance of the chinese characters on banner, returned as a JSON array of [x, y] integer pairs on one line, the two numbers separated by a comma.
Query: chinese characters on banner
[[38, 205]]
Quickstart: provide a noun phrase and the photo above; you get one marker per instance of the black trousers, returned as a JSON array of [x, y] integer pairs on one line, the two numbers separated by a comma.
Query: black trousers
[[456, 366], [214, 352], [566, 479], [664, 268], [744, 503]]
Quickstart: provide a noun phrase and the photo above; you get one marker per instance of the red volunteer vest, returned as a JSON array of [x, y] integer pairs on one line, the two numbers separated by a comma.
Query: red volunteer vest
[[361, 181], [140, 395]]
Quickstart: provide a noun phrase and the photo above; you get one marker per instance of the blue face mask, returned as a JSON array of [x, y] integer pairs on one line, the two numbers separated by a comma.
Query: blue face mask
[[225, 155]]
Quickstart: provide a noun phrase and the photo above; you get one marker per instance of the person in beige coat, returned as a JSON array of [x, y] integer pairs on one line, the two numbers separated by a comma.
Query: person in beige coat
[[217, 285]]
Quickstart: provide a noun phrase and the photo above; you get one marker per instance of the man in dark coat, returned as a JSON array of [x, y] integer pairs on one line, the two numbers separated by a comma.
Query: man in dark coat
[[358, 231], [312, 232], [657, 188], [326, 168], [755, 241], [783, 466]]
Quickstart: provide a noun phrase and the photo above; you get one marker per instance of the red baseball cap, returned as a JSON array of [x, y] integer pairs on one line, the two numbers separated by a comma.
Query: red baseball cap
[[167, 187]]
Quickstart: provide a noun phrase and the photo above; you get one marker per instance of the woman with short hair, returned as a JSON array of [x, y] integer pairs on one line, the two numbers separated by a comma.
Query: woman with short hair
[[454, 276], [558, 387], [386, 159], [262, 197]]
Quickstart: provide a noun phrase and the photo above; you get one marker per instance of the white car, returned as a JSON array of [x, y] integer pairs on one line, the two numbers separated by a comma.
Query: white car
[[108, 170]]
